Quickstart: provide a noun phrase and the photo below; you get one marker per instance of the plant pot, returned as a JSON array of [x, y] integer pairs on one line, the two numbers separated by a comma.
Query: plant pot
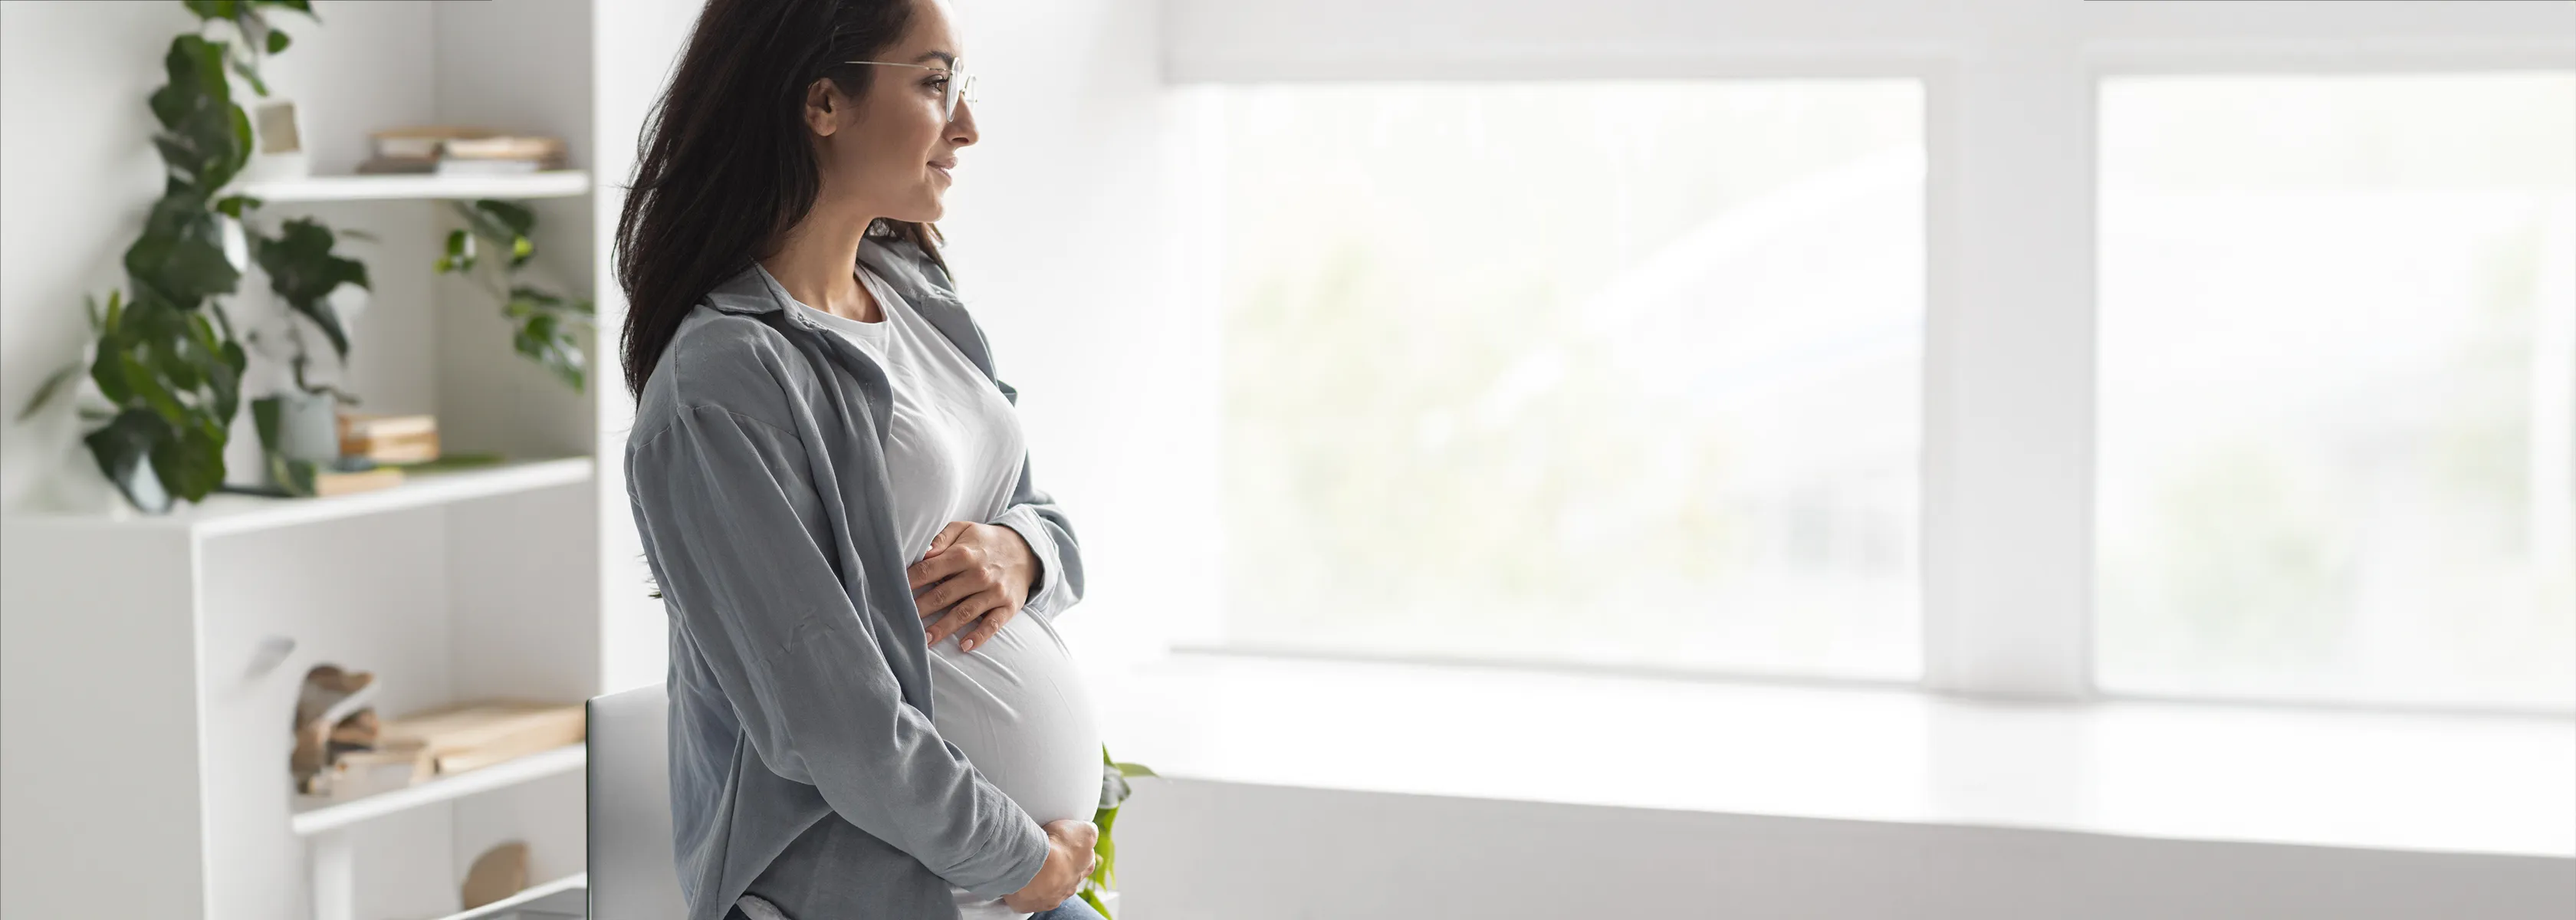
[[298, 425]]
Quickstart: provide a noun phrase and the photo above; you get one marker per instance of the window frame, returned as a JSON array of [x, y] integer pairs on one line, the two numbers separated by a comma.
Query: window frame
[[2011, 208]]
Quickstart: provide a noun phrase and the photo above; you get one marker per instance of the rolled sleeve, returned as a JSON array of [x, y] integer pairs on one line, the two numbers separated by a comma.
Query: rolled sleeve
[[1037, 518], [1048, 597]]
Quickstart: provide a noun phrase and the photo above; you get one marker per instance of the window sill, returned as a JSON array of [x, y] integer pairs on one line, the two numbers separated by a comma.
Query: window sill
[[2427, 783]]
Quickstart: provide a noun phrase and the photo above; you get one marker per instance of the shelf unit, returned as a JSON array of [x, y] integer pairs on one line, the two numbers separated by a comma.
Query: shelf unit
[[315, 815], [146, 697], [560, 896], [561, 183], [226, 513]]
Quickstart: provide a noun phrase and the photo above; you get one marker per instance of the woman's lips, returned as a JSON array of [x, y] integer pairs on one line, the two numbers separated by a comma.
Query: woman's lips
[[944, 167]]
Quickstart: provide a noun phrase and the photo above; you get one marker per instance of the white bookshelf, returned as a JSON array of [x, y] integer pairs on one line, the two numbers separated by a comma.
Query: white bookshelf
[[559, 896], [147, 704], [560, 183], [231, 513], [324, 814]]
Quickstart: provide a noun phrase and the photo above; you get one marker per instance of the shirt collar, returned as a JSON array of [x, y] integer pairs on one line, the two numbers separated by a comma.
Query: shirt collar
[[900, 263]]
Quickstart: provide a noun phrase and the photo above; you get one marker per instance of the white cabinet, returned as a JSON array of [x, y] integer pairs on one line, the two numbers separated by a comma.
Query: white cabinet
[[148, 746]]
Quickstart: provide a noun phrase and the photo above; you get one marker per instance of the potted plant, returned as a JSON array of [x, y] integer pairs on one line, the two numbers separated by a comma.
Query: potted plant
[[163, 361], [1099, 889]]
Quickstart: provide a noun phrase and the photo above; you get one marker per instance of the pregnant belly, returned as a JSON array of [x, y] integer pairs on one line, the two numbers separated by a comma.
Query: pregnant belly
[[1016, 706]]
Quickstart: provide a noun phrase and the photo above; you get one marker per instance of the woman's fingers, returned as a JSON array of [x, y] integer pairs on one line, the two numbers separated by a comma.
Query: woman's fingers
[[949, 561], [985, 629], [958, 615], [965, 613]]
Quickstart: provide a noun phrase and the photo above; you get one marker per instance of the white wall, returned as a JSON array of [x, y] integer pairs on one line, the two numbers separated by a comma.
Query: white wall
[[635, 50], [1245, 852]]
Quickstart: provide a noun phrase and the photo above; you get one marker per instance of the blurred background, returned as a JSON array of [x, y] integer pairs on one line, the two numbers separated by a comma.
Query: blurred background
[[1874, 458]]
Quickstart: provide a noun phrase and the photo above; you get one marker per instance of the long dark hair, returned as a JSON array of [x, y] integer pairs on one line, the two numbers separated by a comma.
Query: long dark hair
[[725, 166]]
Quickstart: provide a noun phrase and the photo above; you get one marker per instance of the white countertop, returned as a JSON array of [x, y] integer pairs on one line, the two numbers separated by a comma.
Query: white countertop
[[2189, 771]]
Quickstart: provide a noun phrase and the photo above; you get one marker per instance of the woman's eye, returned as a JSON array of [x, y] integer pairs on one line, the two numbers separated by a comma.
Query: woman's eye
[[938, 83]]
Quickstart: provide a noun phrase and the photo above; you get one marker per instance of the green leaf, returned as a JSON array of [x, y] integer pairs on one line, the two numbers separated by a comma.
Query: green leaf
[[234, 205], [541, 338], [191, 464], [264, 414], [212, 9], [107, 369], [302, 270], [294, 476], [156, 394], [460, 253], [505, 224], [206, 353], [511, 218], [276, 41], [45, 390], [250, 72], [180, 256], [205, 138], [240, 149], [1135, 770], [121, 448]]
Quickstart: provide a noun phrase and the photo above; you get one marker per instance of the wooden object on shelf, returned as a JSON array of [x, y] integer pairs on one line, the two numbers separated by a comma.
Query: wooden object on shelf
[[455, 150], [332, 717], [378, 166], [420, 141], [500, 872], [328, 482], [458, 738], [389, 438]]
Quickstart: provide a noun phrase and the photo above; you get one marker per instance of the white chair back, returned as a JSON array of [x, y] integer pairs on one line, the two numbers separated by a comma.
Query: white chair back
[[633, 875]]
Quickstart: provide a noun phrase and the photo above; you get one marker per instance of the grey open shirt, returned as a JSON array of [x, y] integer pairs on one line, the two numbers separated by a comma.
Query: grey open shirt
[[799, 681]]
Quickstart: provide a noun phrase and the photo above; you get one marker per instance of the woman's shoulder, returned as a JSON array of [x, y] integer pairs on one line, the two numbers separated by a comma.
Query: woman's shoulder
[[723, 360]]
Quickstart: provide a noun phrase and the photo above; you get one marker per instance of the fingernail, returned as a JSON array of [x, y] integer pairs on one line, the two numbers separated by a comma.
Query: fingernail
[[966, 646]]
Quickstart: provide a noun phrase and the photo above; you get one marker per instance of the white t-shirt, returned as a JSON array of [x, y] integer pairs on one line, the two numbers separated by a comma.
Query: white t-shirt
[[1016, 704]]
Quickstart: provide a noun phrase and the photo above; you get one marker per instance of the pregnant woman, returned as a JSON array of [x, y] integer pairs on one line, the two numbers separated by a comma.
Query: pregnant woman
[[871, 713]]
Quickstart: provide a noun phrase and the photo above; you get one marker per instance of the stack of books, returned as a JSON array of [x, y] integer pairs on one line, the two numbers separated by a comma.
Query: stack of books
[[449, 150], [343, 476], [454, 739], [389, 438]]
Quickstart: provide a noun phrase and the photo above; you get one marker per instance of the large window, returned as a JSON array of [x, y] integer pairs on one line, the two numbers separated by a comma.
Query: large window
[[2338, 388], [1610, 372]]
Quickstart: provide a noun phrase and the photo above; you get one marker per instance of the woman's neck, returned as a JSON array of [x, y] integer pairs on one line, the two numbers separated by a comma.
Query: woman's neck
[[817, 263]]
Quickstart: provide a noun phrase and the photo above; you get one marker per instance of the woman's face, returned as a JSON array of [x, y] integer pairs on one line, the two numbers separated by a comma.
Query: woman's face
[[890, 152]]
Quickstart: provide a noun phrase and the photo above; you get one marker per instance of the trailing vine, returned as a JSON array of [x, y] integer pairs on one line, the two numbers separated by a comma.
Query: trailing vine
[[542, 322]]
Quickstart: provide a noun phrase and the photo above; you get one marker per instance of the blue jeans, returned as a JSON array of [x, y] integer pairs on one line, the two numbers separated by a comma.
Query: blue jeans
[[1073, 908]]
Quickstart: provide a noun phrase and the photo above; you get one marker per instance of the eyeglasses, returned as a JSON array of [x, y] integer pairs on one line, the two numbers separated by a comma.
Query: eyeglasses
[[959, 88]]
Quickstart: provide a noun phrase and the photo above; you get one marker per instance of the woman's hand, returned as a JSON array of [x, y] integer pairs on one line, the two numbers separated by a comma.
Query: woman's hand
[[1068, 862], [972, 572]]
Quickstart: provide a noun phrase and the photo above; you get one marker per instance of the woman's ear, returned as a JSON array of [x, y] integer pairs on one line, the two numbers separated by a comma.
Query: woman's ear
[[823, 105]]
